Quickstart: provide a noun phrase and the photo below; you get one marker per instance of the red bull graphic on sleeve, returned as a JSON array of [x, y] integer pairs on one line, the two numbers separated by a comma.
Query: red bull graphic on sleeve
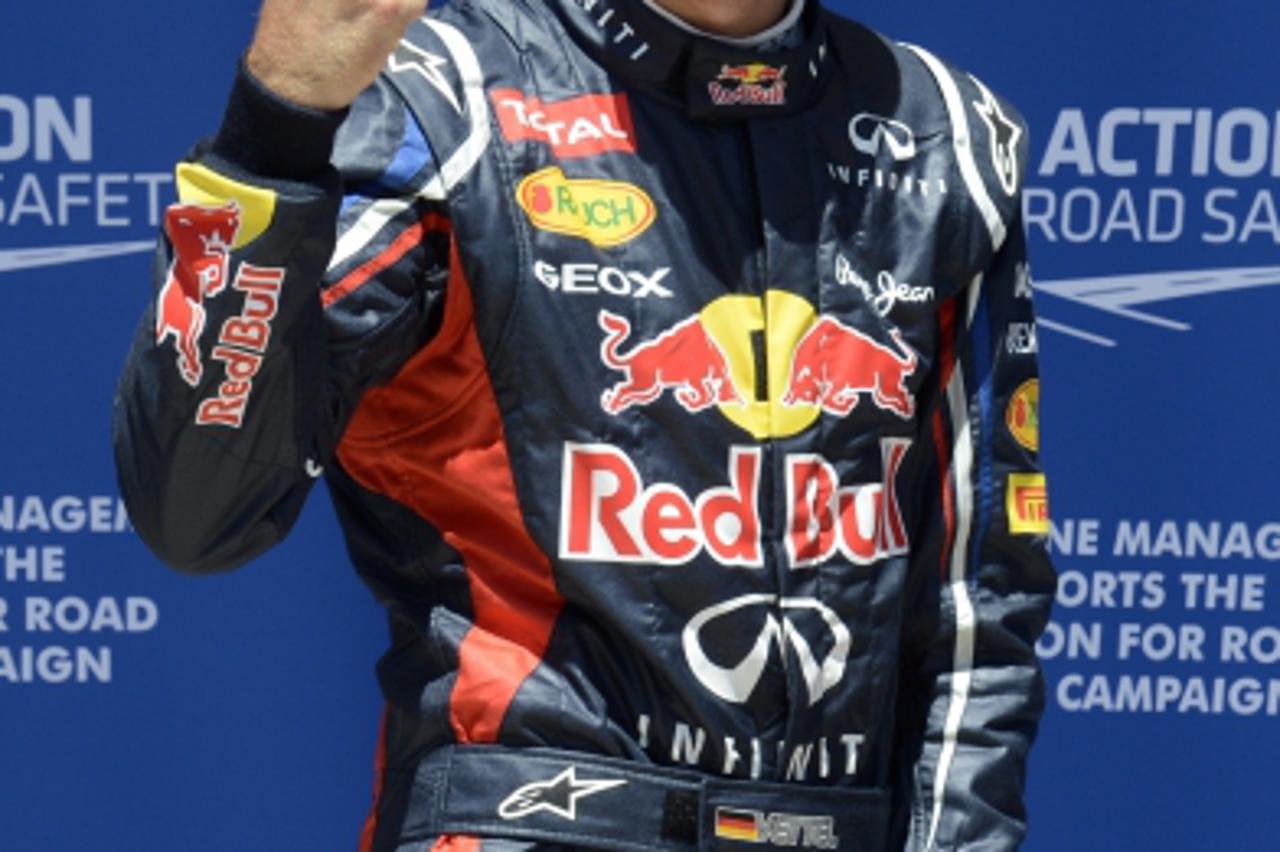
[[753, 84], [771, 365], [201, 239], [214, 216]]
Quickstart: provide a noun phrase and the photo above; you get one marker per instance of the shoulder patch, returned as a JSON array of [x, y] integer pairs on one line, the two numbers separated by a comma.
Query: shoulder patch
[[437, 72], [990, 144]]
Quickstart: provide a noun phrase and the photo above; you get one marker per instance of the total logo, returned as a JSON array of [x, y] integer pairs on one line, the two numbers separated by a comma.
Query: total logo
[[753, 84], [609, 514], [583, 126], [602, 212], [812, 364]]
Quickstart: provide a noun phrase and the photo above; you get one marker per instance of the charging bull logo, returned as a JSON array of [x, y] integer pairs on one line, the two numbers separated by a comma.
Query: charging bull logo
[[835, 364], [684, 357], [202, 238], [770, 365]]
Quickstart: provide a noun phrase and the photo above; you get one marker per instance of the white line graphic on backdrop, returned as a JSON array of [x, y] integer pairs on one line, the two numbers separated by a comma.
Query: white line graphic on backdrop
[[12, 260], [1114, 294], [1117, 294]]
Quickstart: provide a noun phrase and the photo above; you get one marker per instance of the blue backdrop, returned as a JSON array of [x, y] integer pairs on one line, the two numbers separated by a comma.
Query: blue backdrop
[[239, 712]]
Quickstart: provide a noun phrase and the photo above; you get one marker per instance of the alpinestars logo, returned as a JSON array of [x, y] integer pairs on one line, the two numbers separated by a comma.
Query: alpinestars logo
[[1004, 138], [559, 796], [408, 57]]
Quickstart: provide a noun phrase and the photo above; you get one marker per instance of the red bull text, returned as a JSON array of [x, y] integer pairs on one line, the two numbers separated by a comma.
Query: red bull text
[[754, 84], [609, 514], [242, 341]]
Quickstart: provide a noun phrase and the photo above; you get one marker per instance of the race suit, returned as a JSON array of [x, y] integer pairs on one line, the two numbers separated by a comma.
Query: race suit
[[678, 401]]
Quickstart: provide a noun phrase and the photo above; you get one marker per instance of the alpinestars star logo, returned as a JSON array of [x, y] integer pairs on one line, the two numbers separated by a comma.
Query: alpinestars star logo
[[1004, 138], [558, 796], [409, 57]]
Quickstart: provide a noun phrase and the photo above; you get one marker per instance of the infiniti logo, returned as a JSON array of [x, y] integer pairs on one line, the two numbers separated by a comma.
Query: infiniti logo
[[736, 683], [870, 132]]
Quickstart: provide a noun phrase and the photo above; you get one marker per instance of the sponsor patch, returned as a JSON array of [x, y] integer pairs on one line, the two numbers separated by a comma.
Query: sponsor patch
[[558, 796], [201, 237], [871, 134], [1027, 503], [770, 365], [603, 212], [1021, 339], [753, 84], [1004, 135], [1022, 415], [608, 513], [776, 829], [242, 343], [593, 279], [733, 824], [887, 291], [578, 127]]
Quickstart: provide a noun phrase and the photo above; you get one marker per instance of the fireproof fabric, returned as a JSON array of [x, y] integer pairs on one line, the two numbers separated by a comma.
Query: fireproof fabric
[[678, 403]]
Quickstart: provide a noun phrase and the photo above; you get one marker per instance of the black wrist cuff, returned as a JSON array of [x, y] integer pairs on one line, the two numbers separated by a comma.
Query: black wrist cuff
[[273, 137]]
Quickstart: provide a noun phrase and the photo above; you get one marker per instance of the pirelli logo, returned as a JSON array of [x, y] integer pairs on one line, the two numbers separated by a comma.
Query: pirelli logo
[[1027, 503], [776, 829]]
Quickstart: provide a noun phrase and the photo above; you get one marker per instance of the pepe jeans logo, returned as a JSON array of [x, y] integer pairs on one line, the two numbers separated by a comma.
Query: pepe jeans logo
[[887, 292]]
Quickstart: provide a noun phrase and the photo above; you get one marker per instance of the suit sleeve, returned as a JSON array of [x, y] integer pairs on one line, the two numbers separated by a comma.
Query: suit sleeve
[[302, 263], [974, 678]]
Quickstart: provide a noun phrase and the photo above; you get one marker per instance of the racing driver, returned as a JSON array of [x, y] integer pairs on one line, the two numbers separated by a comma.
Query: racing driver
[[671, 364]]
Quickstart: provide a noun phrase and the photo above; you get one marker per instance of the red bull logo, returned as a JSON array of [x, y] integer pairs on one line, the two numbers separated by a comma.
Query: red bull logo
[[202, 238], [770, 365], [753, 84], [609, 514], [834, 365], [685, 358]]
